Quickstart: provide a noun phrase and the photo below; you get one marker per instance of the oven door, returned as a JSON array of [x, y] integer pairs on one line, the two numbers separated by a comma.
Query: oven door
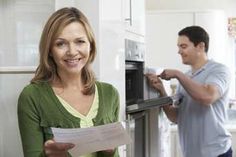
[[134, 82], [137, 126]]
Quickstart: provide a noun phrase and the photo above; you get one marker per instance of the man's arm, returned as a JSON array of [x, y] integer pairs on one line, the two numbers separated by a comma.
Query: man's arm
[[205, 94]]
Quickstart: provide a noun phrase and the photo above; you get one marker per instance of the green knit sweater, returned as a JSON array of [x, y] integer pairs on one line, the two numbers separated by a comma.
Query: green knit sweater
[[39, 109]]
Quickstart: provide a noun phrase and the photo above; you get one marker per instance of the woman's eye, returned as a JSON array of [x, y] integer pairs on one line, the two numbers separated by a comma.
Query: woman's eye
[[80, 41], [60, 44]]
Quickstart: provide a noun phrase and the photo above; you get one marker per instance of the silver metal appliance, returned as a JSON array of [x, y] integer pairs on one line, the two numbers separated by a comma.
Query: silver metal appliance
[[142, 103]]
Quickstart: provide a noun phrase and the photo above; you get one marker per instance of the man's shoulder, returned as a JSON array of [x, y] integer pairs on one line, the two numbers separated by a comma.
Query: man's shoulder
[[217, 66]]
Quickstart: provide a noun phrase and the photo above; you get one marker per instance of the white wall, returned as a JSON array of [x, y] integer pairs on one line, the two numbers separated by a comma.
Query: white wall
[[229, 6]]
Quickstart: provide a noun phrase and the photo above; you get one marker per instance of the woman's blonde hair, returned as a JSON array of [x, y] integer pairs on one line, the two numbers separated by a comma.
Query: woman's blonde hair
[[47, 69]]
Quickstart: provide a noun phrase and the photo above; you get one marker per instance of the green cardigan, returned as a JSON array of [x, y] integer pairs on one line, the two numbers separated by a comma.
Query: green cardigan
[[39, 109]]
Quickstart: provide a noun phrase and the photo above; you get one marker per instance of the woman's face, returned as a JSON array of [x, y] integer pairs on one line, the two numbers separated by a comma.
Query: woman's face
[[71, 49]]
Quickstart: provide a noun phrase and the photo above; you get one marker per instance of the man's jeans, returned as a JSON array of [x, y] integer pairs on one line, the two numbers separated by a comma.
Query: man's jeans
[[229, 153]]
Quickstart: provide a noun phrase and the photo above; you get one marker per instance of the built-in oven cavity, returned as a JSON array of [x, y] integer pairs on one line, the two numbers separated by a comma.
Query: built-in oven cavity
[[134, 82]]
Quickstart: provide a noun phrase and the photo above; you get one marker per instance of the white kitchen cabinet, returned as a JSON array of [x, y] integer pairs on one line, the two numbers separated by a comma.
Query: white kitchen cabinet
[[10, 87], [135, 16], [106, 18], [20, 29]]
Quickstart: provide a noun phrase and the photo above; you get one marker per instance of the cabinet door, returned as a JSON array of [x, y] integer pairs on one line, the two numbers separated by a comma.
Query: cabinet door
[[135, 16], [20, 30], [10, 87]]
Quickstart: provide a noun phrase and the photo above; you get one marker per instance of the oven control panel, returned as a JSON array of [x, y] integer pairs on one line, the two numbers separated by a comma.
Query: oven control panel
[[134, 51]]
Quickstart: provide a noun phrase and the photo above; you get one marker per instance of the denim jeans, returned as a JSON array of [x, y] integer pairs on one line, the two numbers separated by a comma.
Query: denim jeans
[[229, 153]]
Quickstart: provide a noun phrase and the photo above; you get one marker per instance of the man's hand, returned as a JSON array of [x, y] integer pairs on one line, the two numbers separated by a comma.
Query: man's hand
[[168, 74], [156, 83]]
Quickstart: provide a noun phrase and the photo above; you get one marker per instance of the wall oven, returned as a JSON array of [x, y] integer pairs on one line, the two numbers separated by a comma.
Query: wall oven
[[137, 88], [134, 85], [141, 103]]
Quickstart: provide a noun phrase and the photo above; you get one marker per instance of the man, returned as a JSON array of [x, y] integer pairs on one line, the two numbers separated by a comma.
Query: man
[[204, 96]]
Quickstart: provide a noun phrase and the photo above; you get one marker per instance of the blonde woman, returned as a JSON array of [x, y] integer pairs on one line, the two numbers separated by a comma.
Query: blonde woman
[[64, 92]]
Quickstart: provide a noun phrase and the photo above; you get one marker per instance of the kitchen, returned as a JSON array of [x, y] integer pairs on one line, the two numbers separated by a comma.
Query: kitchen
[[24, 21]]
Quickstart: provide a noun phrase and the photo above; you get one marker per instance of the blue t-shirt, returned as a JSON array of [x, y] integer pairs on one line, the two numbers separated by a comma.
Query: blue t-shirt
[[201, 128]]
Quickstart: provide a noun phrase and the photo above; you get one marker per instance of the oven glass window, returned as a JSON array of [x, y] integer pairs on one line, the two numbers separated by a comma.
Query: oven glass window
[[134, 83]]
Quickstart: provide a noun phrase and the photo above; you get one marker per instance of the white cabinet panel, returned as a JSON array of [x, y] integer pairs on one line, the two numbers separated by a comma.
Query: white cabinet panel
[[20, 30], [135, 16], [106, 18], [10, 87], [108, 27]]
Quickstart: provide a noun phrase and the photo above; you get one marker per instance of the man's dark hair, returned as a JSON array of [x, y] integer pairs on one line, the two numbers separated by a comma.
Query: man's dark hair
[[196, 34]]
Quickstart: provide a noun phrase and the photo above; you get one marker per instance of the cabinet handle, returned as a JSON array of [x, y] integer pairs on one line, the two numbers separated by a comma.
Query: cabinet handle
[[129, 19]]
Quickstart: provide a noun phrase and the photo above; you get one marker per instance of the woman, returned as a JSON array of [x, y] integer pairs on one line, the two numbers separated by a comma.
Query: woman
[[64, 92]]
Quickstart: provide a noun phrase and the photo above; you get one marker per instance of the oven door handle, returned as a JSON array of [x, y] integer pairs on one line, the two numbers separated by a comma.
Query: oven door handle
[[131, 67], [149, 104], [137, 115]]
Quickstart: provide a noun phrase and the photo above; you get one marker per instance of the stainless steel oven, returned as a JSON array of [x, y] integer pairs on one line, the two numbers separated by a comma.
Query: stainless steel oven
[[136, 121], [141, 103], [137, 124]]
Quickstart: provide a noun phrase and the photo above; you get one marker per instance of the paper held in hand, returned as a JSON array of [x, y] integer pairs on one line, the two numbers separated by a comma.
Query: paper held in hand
[[92, 139]]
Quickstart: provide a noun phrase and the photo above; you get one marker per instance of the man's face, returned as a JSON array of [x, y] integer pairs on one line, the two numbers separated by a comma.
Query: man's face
[[187, 50]]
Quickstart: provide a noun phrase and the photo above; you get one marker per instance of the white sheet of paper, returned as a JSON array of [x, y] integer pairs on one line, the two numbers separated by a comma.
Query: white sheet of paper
[[92, 139]]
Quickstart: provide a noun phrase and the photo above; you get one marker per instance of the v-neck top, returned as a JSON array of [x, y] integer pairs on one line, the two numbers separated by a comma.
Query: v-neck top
[[85, 120], [39, 109]]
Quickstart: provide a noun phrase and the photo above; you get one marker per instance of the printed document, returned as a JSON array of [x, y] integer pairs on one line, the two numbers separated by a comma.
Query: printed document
[[92, 139]]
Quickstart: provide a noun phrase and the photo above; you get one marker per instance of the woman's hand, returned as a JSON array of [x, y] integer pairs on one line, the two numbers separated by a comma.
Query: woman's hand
[[109, 151], [54, 149]]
